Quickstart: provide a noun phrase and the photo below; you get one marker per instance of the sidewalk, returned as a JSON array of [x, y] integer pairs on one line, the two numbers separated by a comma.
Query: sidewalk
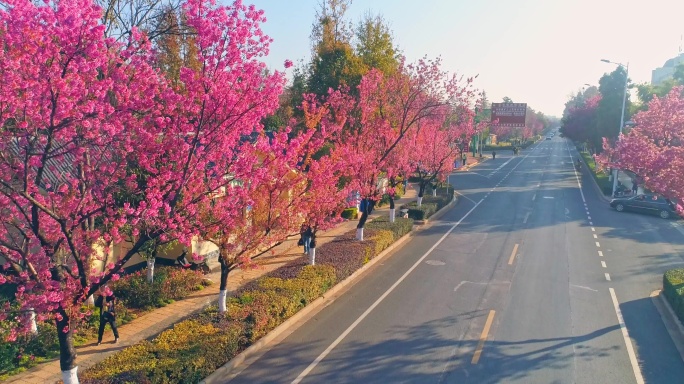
[[158, 320]]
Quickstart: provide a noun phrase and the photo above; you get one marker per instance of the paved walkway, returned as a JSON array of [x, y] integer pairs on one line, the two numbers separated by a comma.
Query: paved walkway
[[152, 323]]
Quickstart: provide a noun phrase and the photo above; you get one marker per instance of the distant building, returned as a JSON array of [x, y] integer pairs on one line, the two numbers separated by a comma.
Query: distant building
[[665, 72]]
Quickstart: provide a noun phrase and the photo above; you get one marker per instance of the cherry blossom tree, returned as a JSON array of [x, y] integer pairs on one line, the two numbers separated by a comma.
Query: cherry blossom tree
[[436, 146], [72, 102], [389, 108], [654, 148], [580, 119], [86, 121]]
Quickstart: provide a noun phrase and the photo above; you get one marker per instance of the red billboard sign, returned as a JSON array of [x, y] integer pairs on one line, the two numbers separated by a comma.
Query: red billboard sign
[[509, 114]]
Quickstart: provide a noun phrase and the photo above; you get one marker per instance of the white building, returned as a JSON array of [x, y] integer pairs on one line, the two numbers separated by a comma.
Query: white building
[[665, 72]]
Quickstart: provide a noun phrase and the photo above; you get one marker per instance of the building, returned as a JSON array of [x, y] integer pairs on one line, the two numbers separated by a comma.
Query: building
[[665, 72]]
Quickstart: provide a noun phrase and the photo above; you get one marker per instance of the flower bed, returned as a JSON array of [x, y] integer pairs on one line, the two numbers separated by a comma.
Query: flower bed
[[198, 346], [137, 296]]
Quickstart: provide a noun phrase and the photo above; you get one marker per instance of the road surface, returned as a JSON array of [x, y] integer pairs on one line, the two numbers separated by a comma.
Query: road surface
[[524, 281]]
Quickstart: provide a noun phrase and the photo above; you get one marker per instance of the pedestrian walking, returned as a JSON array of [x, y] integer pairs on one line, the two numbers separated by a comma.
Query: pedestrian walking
[[464, 157], [107, 305], [305, 233], [635, 187], [493, 154]]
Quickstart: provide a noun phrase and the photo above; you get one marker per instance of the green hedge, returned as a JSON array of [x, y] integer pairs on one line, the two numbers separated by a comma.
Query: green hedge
[[350, 213], [198, 346], [673, 287], [170, 283], [601, 177], [420, 213]]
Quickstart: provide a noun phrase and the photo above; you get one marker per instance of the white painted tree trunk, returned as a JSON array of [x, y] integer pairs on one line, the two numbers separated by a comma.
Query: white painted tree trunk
[[420, 201], [312, 256], [359, 234], [434, 192], [90, 301], [392, 214], [150, 270], [32, 319], [70, 376], [222, 300]]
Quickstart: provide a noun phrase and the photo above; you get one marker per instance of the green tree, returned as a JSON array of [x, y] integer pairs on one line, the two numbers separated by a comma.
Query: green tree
[[646, 91], [611, 87], [333, 62], [375, 45]]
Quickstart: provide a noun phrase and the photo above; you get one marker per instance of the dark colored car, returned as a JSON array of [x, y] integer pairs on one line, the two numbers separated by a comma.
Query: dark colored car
[[648, 204]]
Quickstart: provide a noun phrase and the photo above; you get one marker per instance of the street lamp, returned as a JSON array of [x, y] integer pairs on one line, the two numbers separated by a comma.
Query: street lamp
[[622, 115]]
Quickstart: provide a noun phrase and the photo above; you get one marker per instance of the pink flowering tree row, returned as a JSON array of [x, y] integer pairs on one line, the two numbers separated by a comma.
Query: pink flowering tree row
[[654, 148], [98, 146]]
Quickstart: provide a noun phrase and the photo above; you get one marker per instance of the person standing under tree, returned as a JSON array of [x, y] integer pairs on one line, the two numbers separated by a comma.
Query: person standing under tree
[[107, 305], [306, 234]]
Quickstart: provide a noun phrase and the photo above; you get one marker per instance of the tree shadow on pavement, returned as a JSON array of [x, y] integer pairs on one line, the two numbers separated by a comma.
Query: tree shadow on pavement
[[423, 354]]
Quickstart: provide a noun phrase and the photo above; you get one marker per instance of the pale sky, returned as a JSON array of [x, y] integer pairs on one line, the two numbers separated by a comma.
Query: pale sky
[[534, 51]]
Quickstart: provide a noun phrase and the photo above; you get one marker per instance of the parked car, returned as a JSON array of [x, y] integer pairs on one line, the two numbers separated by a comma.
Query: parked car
[[647, 203], [548, 137]]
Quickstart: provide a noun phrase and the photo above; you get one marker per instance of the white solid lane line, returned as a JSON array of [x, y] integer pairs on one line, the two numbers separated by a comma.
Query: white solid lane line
[[628, 342], [377, 302]]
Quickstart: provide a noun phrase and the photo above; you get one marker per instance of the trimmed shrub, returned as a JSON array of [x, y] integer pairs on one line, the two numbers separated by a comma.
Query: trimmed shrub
[[399, 228], [673, 287], [135, 360], [345, 254], [350, 213], [440, 201], [381, 239], [169, 284], [420, 213]]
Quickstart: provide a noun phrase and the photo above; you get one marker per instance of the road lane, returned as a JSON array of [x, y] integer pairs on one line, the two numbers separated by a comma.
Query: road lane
[[553, 319]]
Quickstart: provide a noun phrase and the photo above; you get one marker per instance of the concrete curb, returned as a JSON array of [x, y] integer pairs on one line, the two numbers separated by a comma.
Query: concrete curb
[[228, 371], [672, 324]]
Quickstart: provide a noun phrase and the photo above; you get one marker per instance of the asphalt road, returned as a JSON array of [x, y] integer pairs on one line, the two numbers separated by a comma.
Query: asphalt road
[[522, 282]]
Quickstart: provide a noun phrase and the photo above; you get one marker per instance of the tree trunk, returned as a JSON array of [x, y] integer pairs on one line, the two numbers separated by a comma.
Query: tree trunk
[[32, 320], [421, 193], [312, 256], [434, 192], [391, 208], [364, 216], [223, 288], [312, 249], [150, 270], [67, 353]]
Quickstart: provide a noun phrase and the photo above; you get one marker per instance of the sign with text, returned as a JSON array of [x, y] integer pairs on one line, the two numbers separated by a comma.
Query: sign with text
[[509, 114]]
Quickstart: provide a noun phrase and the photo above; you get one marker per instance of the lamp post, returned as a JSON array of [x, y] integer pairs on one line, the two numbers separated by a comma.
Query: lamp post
[[622, 115]]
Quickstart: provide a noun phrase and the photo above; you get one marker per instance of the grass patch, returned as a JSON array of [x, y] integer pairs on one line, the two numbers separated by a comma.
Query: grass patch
[[601, 177]]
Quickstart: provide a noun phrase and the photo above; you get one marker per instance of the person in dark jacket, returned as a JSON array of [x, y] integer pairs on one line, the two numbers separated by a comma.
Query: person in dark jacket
[[306, 233], [107, 305]]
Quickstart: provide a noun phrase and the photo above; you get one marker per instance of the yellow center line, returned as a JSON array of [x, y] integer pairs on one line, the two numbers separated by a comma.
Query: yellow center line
[[483, 337], [515, 250]]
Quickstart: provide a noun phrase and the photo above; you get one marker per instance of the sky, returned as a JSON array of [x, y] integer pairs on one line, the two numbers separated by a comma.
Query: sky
[[537, 52]]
